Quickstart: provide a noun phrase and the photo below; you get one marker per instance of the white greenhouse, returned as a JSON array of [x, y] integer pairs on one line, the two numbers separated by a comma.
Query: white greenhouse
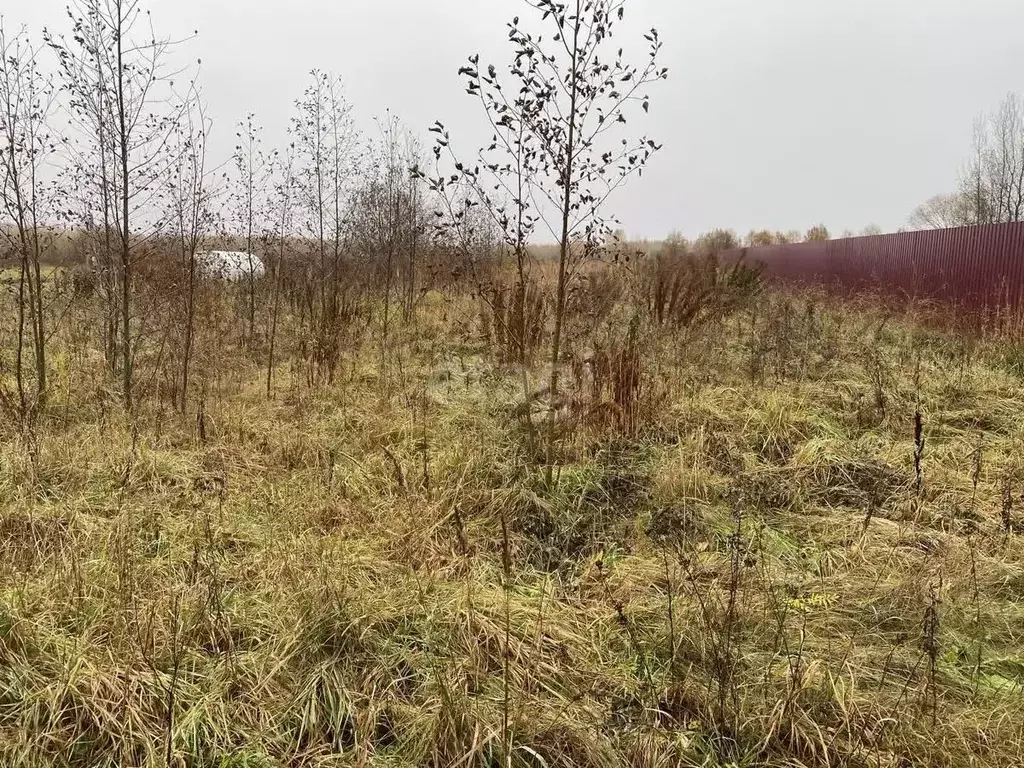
[[231, 265]]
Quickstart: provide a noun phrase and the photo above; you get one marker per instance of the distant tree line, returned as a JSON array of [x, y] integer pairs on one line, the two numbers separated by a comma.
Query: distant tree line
[[725, 239]]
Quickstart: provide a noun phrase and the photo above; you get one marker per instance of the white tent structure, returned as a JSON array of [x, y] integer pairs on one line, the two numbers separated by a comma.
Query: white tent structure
[[230, 265]]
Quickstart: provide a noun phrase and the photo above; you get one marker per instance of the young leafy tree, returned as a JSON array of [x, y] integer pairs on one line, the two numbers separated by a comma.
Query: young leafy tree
[[500, 185], [568, 92], [26, 147]]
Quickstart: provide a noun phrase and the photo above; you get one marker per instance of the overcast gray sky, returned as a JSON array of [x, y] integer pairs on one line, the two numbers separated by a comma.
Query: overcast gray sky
[[778, 114]]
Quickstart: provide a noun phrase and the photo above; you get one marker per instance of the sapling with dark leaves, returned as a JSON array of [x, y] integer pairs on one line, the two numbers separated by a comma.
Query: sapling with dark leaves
[[560, 147]]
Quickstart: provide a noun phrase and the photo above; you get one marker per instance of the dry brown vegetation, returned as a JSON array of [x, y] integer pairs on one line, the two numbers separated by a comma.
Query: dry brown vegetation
[[329, 514], [745, 558]]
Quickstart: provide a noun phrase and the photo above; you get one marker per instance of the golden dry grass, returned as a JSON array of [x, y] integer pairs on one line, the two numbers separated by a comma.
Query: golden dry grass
[[747, 576]]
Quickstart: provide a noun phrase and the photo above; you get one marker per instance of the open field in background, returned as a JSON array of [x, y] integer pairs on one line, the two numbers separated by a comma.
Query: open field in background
[[746, 559]]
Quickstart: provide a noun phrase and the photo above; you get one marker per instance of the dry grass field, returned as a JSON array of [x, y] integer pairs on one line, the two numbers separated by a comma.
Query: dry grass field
[[792, 536], [400, 486]]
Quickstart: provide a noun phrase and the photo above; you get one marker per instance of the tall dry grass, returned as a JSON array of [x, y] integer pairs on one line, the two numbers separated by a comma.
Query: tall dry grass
[[746, 558]]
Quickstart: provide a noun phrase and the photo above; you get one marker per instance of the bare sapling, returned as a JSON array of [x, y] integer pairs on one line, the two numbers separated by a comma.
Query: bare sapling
[[326, 154], [27, 146], [284, 214], [253, 168], [387, 220], [190, 218], [120, 90]]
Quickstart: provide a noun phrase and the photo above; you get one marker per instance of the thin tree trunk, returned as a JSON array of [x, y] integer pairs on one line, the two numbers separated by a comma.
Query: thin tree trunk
[[336, 244], [189, 258], [408, 243], [126, 266], [277, 300], [19, 372], [30, 245], [563, 254], [39, 323], [248, 248]]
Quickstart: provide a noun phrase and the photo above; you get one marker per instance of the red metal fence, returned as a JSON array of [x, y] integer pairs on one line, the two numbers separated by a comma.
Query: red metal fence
[[974, 268]]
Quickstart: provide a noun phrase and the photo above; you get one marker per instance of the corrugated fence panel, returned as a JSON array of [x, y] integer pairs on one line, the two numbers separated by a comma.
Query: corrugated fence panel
[[996, 288], [1017, 269], [956, 283], [979, 269], [954, 245]]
